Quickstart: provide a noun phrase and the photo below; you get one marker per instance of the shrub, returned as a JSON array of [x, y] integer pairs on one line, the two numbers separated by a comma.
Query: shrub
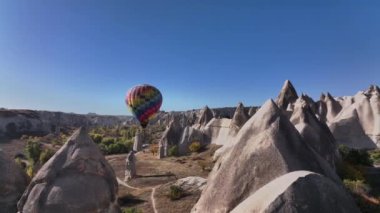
[[349, 171], [356, 157], [205, 165], [103, 148], [173, 151], [356, 186], [375, 156], [33, 151], [30, 170], [20, 163], [24, 137], [343, 150], [108, 140], [56, 141], [195, 146], [113, 148], [116, 148], [366, 204], [123, 132], [154, 149], [46, 155], [129, 145], [97, 138], [176, 192], [362, 196], [131, 210]]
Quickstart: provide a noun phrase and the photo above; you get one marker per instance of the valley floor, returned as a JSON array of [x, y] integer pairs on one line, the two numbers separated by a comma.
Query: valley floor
[[158, 174]]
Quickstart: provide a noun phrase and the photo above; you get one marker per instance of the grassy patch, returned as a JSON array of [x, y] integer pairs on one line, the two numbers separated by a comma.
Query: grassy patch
[[375, 156], [176, 192]]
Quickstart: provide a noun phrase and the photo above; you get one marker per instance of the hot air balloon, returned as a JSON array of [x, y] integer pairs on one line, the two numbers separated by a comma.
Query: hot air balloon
[[144, 101]]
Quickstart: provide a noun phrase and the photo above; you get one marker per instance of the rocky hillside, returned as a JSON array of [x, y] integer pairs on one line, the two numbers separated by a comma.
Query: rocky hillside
[[353, 120], [53, 188], [14, 123]]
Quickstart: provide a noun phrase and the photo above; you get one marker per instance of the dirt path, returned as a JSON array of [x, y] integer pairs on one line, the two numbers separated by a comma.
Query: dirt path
[[126, 184], [152, 198]]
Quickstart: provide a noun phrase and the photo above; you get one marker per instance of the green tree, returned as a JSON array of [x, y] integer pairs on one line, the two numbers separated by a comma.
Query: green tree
[[97, 138], [33, 151], [45, 155], [108, 141], [195, 146], [354, 156], [173, 151], [176, 192]]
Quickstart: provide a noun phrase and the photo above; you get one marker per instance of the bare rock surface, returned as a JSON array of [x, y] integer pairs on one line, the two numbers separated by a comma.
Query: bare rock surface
[[13, 182], [314, 132], [139, 140], [218, 129], [205, 116], [170, 137], [192, 183], [299, 191], [252, 111], [287, 95], [348, 130], [358, 123], [190, 135], [328, 107], [240, 116]]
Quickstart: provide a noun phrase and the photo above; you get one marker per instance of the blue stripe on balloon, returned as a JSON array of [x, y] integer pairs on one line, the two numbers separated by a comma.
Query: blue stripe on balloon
[[147, 105]]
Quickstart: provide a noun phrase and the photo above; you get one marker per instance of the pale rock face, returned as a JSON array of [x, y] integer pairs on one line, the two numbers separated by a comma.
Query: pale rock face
[[358, 123], [365, 111], [130, 166], [219, 131], [190, 135], [287, 96], [192, 183], [267, 146], [139, 140], [15, 123], [76, 179], [223, 131], [310, 102], [314, 132], [345, 101], [299, 191], [240, 117], [328, 107], [13, 182], [348, 130], [170, 137], [252, 111], [205, 116]]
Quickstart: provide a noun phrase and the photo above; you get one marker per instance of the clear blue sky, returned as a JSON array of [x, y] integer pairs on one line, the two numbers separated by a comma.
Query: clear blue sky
[[83, 55]]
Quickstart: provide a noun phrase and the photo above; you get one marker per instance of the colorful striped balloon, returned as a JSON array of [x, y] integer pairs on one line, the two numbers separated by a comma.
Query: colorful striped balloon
[[144, 101]]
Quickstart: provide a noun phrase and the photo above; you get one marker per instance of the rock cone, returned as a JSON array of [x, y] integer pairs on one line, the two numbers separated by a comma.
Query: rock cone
[[240, 116], [267, 146], [299, 191], [76, 179], [313, 131], [287, 95]]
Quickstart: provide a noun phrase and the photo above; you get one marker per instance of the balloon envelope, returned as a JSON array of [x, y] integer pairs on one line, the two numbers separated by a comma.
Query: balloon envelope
[[144, 101]]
